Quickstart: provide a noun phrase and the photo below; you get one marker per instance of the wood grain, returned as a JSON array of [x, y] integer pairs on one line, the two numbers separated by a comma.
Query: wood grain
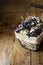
[[37, 57], [20, 55]]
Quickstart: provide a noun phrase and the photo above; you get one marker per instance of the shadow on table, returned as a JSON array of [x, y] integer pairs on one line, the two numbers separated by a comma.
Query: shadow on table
[[41, 46]]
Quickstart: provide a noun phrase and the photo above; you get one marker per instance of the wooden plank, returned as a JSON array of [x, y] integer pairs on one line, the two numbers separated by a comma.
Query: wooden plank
[[20, 55], [19, 8], [37, 56], [6, 45]]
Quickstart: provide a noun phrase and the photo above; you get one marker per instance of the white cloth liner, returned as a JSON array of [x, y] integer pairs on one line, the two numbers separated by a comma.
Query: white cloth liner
[[30, 42]]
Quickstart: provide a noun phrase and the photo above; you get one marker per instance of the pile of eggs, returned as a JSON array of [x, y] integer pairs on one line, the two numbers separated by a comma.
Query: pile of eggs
[[32, 27]]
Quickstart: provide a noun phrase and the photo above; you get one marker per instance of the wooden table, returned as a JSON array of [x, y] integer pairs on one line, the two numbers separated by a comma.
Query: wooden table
[[20, 55]]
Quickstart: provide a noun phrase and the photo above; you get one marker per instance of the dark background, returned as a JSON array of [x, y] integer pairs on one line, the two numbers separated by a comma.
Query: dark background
[[11, 10]]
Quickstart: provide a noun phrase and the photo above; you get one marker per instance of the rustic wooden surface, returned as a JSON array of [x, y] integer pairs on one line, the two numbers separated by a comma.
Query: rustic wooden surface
[[20, 55], [26, 57], [12, 50], [6, 45], [37, 56]]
